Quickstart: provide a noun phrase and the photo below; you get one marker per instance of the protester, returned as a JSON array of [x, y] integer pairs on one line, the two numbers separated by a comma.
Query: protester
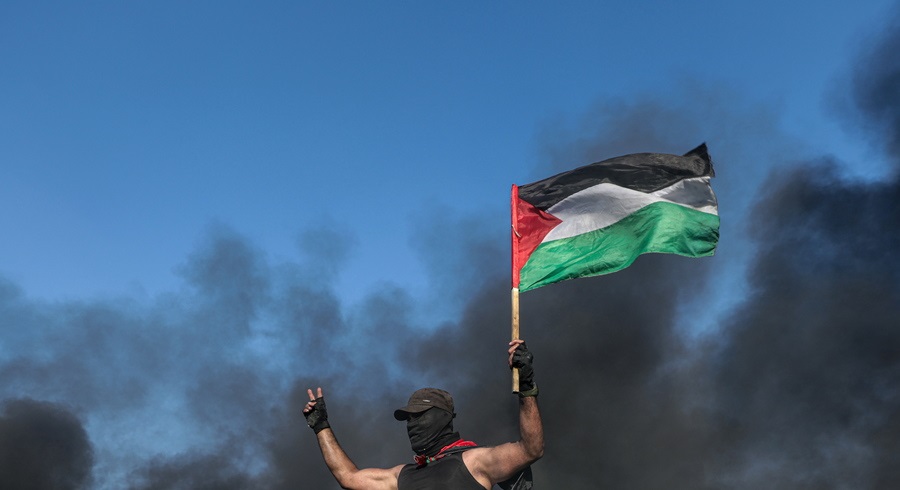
[[443, 459]]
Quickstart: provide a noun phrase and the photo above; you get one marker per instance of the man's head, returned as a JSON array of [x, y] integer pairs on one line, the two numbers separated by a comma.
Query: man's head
[[429, 420], [425, 399]]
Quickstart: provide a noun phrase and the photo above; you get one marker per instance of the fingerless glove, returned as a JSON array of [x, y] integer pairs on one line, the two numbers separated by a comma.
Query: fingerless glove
[[523, 359], [317, 418]]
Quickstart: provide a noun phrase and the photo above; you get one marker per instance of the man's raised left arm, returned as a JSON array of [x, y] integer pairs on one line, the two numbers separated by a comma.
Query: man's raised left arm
[[500, 463]]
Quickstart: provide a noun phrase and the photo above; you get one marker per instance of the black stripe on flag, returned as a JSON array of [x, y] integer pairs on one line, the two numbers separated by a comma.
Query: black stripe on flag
[[644, 172]]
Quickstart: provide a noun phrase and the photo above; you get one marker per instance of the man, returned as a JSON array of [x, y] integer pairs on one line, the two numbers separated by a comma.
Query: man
[[443, 459]]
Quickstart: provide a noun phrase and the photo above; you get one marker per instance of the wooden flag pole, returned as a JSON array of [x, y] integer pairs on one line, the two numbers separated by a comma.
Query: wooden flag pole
[[515, 335], [515, 236]]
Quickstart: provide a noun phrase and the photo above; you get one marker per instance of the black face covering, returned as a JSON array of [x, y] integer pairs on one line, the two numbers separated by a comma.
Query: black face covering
[[430, 430]]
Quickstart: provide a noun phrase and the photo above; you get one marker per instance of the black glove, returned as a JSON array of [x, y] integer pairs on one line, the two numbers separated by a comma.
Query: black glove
[[523, 359], [317, 418]]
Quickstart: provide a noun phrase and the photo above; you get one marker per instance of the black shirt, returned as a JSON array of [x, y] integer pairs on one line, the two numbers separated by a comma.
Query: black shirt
[[447, 473]]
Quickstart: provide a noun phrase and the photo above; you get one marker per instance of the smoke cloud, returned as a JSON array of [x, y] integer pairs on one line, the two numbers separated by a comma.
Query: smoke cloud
[[875, 91], [43, 446], [795, 384]]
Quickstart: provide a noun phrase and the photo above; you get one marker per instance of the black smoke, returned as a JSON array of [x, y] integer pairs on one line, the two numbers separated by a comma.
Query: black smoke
[[43, 446], [875, 91], [794, 386]]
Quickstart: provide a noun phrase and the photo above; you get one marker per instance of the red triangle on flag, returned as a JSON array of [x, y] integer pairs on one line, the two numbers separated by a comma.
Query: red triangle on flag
[[529, 227]]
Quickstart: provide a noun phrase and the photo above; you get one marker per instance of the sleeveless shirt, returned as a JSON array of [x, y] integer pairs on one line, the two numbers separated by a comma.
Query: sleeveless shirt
[[447, 473]]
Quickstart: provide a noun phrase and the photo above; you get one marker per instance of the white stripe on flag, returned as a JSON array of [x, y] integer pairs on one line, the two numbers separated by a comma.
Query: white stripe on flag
[[605, 204]]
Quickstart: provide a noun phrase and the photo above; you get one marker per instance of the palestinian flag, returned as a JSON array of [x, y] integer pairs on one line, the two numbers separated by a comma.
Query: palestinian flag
[[598, 218]]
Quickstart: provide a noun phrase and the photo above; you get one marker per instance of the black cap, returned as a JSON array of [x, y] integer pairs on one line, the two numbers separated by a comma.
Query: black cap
[[424, 399]]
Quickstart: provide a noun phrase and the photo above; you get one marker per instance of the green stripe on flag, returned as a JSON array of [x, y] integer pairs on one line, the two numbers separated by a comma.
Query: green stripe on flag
[[661, 227]]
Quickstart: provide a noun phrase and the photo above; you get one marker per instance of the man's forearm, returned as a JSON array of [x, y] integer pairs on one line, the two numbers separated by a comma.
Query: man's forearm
[[531, 428], [335, 457]]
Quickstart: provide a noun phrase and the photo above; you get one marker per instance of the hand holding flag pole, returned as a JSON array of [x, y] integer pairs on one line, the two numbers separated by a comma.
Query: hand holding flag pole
[[515, 286]]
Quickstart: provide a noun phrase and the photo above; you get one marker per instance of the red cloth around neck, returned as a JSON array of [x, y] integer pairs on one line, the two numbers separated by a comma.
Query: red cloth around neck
[[423, 460]]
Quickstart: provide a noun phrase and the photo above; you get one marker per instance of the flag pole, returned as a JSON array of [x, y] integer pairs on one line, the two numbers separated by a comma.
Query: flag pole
[[515, 335], [514, 218]]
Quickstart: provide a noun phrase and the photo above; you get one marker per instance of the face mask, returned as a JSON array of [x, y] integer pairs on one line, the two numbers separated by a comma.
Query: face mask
[[430, 430]]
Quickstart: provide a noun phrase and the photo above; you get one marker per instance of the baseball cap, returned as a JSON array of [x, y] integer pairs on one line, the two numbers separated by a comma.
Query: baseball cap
[[424, 399]]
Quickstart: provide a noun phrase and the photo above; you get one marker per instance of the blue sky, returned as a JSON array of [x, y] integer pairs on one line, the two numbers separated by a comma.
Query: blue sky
[[128, 128], [192, 191]]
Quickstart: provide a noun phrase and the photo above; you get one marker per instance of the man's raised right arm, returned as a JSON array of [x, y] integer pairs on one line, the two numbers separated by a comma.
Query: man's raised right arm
[[341, 466]]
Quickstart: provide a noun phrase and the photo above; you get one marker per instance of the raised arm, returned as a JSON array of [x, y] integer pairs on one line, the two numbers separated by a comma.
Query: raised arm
[[345, 472], [497, 464]]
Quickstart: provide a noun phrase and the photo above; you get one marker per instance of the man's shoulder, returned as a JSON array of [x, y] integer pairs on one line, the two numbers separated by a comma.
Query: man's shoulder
[[479, 451], [476, 456]]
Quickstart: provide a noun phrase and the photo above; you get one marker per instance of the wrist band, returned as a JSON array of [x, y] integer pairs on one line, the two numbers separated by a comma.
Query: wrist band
[[532, 392]]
